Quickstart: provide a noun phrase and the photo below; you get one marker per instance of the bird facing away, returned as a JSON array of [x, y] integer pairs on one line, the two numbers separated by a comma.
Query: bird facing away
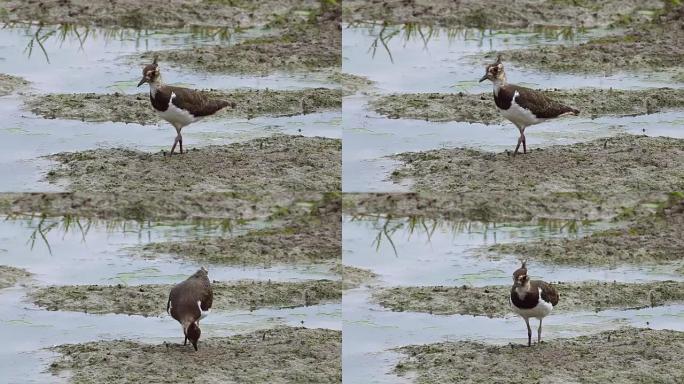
[[531, 298], [179, 106], [522, 106], [189, 302]]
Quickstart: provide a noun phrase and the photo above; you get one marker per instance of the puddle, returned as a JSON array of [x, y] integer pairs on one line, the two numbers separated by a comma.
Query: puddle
[[446, 253], [84, 60], [96, 253], [452, 63]]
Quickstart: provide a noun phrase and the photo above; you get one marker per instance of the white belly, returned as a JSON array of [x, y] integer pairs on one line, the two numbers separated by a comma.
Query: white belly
[[176, 116], [542, 309], [519, 116]]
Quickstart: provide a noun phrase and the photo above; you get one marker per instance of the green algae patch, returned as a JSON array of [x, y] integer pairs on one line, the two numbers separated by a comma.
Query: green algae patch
[[314, 239], [628, 355], [480, 108], [150, 299], [246, 103], [280, 355], [9, 84], [9, 276], [492, 301], [657, 238], [497, 14], [281, 163], [620, 165]]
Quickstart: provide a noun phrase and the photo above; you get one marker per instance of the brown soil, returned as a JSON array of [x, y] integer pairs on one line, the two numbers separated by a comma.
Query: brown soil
[[278, 356]]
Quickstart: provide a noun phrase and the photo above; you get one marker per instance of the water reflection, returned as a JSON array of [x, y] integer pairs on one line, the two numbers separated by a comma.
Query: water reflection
[[386, 226], [40, 34], [42, 225], [383, 33]]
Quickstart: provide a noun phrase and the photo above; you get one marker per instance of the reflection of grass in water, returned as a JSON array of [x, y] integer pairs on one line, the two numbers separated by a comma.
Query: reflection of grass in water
[[125, 277], [409, 32], [65, 31], [42, 225], [387, 226]]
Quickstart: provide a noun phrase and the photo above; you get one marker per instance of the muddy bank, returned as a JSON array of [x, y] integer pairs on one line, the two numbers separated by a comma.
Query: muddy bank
[[279, 355], [9, 84], [496, 206], [628, 355], [657, 238], [655, 46], [353, 277], [11, 275], [305, 240], [248, 103], [619, 165], [301, 47], [497, 14], [492, 301], [351, 84], [480, 108], [169, 206], [150, 300], [283, 163], [134, 14]]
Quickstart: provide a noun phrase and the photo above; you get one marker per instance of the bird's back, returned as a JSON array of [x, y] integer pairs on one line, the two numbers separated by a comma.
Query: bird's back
[[196, 102], [535, 101], [185, 295]]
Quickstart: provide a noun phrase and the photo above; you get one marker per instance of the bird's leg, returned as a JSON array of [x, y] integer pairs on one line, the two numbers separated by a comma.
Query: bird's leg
[[539, 332], [185, 342], [180, 141], [517, 146], [522, 132], [529, 332], [174, 145]]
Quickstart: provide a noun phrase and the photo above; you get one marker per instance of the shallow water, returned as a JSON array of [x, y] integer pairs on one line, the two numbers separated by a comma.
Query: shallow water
[[103, 253], [451, 254], [451, 63], [101, 64]]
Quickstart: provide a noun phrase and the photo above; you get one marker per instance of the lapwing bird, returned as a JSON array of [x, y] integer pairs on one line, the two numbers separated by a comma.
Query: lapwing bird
[[532, 298], [522, 106], [179, 106], [189, 302]]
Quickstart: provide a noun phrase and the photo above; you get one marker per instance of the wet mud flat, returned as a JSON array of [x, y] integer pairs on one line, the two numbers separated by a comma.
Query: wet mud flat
[[657, 238], [170, 206], [313, 44], [493, 301], [9, 84], [280, 355], [132, 13], [474, 13], [281, 162], [150, 299], [302, 239], [480, 108], [10, 276], [628, 355], [352, 84], [621, 164], [246, 103], [353, 277], [496, 206], [656, 45]]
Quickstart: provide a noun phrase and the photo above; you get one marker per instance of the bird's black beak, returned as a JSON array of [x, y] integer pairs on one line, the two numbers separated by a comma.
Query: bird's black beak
[[143, 81], [483, 79], [194, 344]]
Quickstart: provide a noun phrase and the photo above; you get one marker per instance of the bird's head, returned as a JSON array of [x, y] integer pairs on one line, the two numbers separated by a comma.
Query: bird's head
[[193, 333], [495, 72], [150, 73], [520, 277]]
